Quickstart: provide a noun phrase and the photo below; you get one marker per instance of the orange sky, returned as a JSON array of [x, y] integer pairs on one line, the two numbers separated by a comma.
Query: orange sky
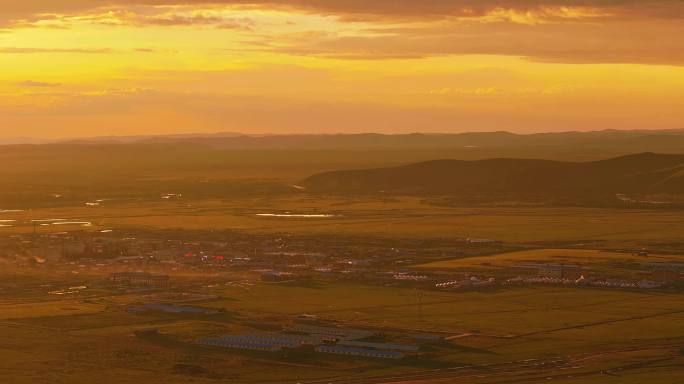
[[118, 67]]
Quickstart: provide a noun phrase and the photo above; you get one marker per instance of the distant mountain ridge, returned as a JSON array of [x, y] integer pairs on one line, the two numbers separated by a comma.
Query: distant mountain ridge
[[629, 140], [634, 141], [644, 173]]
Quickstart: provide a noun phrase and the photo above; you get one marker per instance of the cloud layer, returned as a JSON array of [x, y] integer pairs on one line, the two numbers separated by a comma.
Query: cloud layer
[[572, 31], [407, 9]]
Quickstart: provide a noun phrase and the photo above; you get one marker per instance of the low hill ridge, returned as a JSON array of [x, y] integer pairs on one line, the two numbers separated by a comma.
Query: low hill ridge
[[638, 173]]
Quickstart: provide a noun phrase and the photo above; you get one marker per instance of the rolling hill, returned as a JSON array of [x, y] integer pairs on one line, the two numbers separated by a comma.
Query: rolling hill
[[228, 164], [644, 173]]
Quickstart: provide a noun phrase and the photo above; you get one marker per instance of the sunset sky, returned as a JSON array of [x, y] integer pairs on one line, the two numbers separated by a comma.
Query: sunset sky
[[118, 67]]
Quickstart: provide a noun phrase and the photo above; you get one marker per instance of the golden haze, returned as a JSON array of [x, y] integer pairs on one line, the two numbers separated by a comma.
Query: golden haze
[[103, 67]]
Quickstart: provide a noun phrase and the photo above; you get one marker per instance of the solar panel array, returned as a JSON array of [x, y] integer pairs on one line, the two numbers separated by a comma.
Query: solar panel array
[[240, 345], [363, 352], [273, 342], [261, 342], [386, 346]]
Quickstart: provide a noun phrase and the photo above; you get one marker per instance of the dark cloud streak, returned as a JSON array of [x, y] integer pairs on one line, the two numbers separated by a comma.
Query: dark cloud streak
[[364, 8], [627, 31]]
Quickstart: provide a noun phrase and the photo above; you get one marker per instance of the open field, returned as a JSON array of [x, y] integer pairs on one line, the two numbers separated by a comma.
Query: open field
[[495, 335], [409, 218], [528, 310], [566, 256], [69, 340]]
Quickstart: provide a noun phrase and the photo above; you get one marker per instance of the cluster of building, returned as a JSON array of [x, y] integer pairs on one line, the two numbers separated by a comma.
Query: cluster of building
[[666, 272], [282, 254], [409, 277], [172, 308], [279, 258], [656, 275], [139, 279], [467, 282], [622, 283], [605, 283], [550, 270]]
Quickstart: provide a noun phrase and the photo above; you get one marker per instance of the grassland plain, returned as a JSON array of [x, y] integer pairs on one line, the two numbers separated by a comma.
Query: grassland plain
[[409, 218], [72, 340], [50, 339], [79, 171], [71, 346], [567, 256]]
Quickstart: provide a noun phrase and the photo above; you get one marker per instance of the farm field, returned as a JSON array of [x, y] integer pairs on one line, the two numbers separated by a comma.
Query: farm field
[[409, 218], [566, 256], [55, 338], [528, 311], [524, 333]]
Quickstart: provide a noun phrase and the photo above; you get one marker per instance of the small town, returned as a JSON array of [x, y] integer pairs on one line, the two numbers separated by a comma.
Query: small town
[[151, 262]]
